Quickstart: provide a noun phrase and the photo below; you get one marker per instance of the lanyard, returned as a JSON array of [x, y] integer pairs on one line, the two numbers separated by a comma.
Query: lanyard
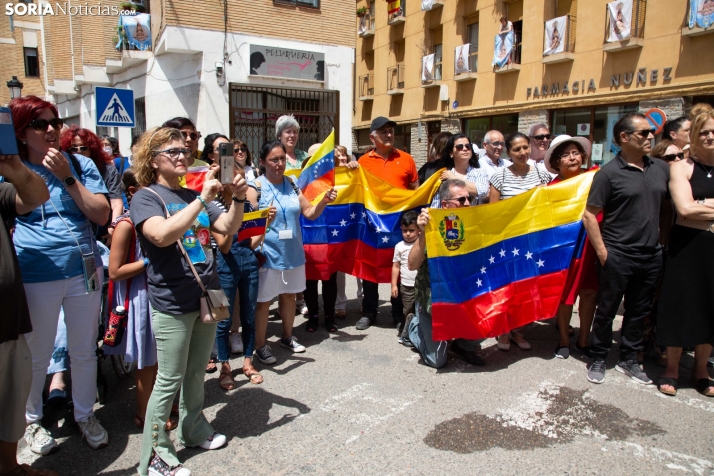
[[275, 197]]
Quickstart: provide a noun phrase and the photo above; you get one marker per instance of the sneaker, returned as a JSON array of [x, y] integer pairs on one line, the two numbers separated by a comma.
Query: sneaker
[[584, 351], [292, 344], [596, 371], [301, 307], [158, 467], [562, 352], [93, 431], [633, 370], [404, 337], [468, 356], [39, 439], [236, 343], [213, 442], [364, 323], [264, 355]]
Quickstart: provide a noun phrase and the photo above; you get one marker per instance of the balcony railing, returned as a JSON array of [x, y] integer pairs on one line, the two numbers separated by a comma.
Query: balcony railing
[[399, 16], [395, 78], [637, 29], [473, 58], [366, 86]]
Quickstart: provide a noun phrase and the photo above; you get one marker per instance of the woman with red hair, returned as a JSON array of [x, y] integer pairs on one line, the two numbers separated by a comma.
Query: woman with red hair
[[61, 266]]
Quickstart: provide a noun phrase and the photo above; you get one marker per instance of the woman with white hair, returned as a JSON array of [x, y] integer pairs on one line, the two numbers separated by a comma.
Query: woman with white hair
[[287, 131]]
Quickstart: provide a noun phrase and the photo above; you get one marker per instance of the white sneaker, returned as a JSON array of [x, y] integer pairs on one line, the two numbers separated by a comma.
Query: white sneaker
[[236, 343], [97, 437], [39, 439], [213, 442]]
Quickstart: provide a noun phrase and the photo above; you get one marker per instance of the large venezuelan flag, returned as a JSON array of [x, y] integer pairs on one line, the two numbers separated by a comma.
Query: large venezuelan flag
[[356, 234], [496, 267], [318, 175]]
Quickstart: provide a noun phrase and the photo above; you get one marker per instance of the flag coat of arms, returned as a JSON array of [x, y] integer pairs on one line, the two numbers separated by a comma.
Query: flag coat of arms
[[497, 267]]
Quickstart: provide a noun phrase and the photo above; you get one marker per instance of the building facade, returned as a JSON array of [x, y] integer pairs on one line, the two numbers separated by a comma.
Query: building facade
[[581, 88], [203, 62]]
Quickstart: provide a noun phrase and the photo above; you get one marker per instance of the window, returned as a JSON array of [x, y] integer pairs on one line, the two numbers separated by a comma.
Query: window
[[371, 15], [32, 65], [436, 40], [472, 32], [300, 3], [140, 117], [403, 137], [515, 16], [477, 127]]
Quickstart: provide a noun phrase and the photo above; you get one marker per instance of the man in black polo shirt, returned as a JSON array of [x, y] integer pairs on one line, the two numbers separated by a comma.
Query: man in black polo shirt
[[629, 190]]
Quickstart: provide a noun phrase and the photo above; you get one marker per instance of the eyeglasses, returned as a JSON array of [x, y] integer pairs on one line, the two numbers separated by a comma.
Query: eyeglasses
[[672, 157], [81, 148], [240, 149], [462, 200], [572, 153], [175, 152], [462, 146], [281, 160], [41, 124], [542, 137], [496, 144], [705, 132], [644, 133], [192, 135]]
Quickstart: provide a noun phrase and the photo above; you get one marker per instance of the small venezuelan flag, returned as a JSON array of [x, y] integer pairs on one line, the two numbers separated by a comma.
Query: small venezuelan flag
[[497, 267], [254, 224], [318, 175], [356, 233]]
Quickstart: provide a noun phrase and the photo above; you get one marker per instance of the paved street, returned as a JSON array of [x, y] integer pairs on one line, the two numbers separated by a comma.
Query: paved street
[[360, 403]]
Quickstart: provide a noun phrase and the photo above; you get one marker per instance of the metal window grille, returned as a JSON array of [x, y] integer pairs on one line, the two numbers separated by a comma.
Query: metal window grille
[[139, 117], [254, 111]]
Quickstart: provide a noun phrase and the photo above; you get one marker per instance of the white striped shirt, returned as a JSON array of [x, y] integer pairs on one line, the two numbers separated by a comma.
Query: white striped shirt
[[475, 176], [511, 185]]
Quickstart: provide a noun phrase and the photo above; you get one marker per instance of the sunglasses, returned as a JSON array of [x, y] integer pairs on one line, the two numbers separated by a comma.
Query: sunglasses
[[672, 157], [240, 149], [462, 146], [542, 137], [175, 152], [41, 124], [81, 148], [644, 133], [192, 135], [496, 144], [462, 200]]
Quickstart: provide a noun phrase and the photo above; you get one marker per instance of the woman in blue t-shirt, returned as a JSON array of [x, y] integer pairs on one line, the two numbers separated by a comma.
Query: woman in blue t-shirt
[[283, 274], [61, 266]]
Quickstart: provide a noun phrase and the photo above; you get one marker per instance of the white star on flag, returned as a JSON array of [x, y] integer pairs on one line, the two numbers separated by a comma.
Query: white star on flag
[[385, 239], [529, 255], [540, 263], [353, 215], [335, 232], [491, 260], [364, 214], [515, 251], [483, 270], [478, 282], [343, 222], [502, 253]]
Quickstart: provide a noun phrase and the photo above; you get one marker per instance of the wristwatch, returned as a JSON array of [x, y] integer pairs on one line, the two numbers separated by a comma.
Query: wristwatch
[[69, 181], [238, 200]]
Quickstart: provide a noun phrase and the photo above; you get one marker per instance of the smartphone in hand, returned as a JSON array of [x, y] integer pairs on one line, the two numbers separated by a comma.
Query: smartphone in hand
[[8, 143], [227, 166]]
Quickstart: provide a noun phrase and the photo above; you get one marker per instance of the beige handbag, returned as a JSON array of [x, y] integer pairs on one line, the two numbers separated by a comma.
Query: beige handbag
[[214, 302]]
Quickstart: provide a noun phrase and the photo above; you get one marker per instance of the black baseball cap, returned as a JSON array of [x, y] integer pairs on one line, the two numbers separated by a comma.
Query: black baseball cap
[[379, 122]]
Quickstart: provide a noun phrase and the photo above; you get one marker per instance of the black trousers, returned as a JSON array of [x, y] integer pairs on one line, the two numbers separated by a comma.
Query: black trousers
[[370, 302], [329, 296], [635, 279]]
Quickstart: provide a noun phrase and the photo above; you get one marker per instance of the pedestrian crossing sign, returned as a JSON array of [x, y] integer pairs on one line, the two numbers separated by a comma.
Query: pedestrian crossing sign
[[115, 107]]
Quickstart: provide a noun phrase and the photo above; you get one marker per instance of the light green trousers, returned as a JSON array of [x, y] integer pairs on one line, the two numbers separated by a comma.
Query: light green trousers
[[184, 346]]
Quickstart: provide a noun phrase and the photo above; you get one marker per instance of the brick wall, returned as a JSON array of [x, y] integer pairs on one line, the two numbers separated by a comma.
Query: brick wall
[[673, 107], [12, 61], [527, 118]]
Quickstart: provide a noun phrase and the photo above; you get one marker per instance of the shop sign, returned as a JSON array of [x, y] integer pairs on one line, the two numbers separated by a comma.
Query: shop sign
[[575, 87], [286, 63]]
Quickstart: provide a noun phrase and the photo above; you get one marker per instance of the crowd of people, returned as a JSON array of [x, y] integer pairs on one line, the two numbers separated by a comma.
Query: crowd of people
[[72, 206]]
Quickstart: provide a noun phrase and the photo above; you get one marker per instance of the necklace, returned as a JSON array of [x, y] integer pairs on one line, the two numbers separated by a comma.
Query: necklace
[[704, 167]]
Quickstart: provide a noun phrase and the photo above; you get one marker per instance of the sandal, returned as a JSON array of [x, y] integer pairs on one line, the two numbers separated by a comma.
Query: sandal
[[330, 324], [211, 367], [705, 386], [523, 344], [311, 325], [253, 375], [669, 381], [504, 342], [225, 380], [170, 424]]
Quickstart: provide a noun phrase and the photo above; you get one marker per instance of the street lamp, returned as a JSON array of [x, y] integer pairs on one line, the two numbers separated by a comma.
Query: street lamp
[[15, 87]]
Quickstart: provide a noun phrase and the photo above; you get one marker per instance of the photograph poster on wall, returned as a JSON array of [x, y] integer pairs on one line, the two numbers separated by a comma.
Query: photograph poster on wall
[[461, 59], [620, 20], [502, 48], [555, 36], [427, 68], [701, 13]]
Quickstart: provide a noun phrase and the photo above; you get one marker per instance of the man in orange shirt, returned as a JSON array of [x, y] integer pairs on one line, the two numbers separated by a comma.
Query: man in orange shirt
[[398, 169]]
